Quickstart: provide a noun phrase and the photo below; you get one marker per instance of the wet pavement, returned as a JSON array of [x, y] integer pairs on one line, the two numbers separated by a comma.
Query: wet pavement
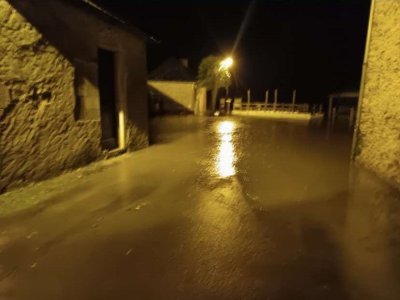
[[219, 208]]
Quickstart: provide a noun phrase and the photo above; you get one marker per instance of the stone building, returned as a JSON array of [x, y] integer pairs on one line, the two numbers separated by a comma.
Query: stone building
[[377, 135], [173, 89], [72, 86]]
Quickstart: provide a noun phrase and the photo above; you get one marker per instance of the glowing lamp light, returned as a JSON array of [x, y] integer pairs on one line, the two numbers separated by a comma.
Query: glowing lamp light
[[226, 63]]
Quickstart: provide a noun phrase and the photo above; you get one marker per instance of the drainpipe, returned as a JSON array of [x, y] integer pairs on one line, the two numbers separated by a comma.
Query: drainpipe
[[362, 83]]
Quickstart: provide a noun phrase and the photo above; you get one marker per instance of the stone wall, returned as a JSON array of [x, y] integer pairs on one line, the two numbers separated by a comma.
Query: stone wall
[[42, 45], [378, 137]]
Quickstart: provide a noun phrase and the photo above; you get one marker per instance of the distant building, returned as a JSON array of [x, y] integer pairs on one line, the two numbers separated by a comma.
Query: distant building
[[173, 89], [72, 85], [377, 142], [342, 104]]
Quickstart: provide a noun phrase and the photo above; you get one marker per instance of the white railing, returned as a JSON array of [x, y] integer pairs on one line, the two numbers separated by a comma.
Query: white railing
[[260, 106]]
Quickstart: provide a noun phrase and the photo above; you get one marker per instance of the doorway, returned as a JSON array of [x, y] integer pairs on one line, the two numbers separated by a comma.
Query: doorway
[[108, 104]]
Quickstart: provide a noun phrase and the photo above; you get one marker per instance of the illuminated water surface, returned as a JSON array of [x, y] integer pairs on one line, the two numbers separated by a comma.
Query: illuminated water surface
[[226, 151]]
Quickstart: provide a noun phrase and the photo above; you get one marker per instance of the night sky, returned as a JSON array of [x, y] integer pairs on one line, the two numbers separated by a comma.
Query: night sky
[[314, 46]]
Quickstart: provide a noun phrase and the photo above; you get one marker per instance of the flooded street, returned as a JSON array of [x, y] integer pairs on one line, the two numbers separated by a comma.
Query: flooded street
[[218, 208]]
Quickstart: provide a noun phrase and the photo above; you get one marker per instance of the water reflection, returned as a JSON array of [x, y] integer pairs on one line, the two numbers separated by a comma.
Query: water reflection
[[226, 152]]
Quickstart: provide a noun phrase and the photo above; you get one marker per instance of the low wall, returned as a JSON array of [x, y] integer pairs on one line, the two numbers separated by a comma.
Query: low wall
[[277, 115]]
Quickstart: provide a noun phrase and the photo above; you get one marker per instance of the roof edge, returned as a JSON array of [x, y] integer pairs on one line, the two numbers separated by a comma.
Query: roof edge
[[123, 23]]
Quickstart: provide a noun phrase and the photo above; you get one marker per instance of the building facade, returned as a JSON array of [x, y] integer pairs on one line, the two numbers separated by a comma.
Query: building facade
[[72, 86], [377, 135], [173, 89]]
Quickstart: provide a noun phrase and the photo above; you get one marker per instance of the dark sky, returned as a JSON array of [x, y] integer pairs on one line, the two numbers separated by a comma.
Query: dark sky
[[314, 46]]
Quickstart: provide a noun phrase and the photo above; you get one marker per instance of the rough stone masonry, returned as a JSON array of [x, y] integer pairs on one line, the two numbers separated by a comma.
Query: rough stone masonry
[[40, 135], [378, 143]]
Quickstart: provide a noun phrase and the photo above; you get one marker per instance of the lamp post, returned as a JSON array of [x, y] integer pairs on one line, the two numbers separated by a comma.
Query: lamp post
[[224, 66]]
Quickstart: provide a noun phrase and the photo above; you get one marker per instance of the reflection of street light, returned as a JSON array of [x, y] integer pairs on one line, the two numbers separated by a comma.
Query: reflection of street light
[[226, 63], [225, 160]]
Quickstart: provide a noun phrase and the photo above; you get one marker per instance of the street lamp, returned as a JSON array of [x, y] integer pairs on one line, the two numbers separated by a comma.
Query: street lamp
[[224, 66], [226, 63]]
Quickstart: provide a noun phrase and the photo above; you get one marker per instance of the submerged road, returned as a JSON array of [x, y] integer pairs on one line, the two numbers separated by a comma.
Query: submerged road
[[222, 208]]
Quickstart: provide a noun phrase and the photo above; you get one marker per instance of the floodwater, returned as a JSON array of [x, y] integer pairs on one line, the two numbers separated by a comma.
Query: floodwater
[[218, 208]]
